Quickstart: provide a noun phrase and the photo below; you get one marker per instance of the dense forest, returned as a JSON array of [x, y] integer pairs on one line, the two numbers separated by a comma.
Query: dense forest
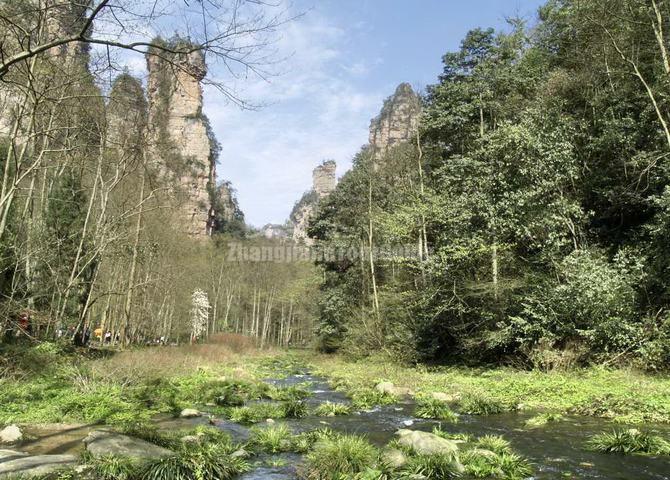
[[535, 194], [533, 200]]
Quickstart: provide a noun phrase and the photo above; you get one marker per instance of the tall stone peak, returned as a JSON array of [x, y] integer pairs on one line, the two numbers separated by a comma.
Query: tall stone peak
[[182, 148], [324, 181], [397, 122]]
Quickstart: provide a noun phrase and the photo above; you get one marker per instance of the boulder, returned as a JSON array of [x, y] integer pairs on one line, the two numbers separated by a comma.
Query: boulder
[[394, 458], [391, 389], [425, 443], [189, 413], [101, 442], [11, 434], [19, 464], [445, 397], [241, 453]]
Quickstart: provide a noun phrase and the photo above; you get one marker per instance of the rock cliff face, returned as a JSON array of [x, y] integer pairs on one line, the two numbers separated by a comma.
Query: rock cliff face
[[181, 145], [324, 182], [397, 122]]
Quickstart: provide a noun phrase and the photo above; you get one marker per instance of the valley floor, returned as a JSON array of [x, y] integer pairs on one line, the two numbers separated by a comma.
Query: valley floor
[[270, 411]]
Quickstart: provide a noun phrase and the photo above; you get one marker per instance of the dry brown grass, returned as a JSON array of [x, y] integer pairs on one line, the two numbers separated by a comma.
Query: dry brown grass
[[223, 352]]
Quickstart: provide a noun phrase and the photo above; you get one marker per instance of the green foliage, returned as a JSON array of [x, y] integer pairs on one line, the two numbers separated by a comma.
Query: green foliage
[[480, 405], [196, 462], [295, 409], [272, 438], [434, 466], [543, 419], [256, 412], [332, 409], [495, 443], [340, 456], [429, 407], [367, 398], [628, 442], [111, 467]]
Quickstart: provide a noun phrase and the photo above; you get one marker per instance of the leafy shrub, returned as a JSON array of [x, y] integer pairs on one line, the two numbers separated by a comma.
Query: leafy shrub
[[429, 407], [331, 409], [629, 441], [593, 303], [341, 456]]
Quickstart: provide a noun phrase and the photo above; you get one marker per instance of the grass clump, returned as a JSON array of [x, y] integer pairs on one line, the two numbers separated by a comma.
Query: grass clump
[[295, 409], [293, 392], [256, 412], [464, 437], [196, 462], [368, 398], [479, 463], [271, 439], [429, 407], [494, 443], [629, 441], [543, 419], [341, 456], [303, 442], [433, 466], [480, 405], [332, 409], [112, 467]]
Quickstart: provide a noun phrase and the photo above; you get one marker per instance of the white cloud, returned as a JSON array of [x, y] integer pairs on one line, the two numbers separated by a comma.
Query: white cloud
[[315, 111]]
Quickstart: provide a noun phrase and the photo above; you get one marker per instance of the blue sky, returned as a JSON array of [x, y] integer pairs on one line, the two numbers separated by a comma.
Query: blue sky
[[342, 58]]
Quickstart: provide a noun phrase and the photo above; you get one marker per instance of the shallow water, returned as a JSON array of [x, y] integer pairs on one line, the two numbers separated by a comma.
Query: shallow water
[[555, 450]]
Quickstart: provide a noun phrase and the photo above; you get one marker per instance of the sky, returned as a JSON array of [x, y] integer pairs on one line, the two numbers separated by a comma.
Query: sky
[[338, 62]]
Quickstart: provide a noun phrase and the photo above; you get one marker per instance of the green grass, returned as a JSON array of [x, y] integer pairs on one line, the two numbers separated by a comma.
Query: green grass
[[433, 466], [625, 394], [495, 443], [429, 407], [368, 398], [628, 442], [196, 462], [341, 456], [271, 439], [256, 412], [295, 408], [332, 409], [481, 405]]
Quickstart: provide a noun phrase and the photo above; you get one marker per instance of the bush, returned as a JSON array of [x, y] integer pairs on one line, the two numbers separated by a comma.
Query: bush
[[341, 456], [432, 408], [629, 441]]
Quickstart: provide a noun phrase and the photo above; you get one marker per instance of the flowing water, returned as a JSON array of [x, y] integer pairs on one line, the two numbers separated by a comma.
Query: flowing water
[[555, 450]]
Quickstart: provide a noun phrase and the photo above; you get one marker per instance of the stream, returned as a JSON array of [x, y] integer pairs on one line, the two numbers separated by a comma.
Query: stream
[[555, 450]]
